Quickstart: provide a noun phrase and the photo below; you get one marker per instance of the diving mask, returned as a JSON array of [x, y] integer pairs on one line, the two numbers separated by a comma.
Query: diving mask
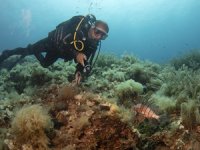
[[100, 31]]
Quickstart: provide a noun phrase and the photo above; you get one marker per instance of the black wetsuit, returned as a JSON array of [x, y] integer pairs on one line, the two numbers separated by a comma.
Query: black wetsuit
[[59, 44]]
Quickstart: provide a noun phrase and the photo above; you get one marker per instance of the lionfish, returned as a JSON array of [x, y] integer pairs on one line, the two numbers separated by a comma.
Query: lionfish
[[145, 111]]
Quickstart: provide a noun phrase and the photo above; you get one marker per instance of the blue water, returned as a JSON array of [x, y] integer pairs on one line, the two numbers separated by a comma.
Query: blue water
[[157, 30]]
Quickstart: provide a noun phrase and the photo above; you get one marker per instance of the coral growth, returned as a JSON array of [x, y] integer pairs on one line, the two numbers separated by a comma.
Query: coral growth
[[190, 114], [89, 122], [28, 127], [98, 114], [191, 59], [127, 91]]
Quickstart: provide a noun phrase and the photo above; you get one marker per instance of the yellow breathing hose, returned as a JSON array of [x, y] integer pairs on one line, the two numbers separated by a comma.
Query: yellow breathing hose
[[75, 42]]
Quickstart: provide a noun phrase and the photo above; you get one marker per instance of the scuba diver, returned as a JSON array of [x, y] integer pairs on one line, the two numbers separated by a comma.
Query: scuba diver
[[76, 38]]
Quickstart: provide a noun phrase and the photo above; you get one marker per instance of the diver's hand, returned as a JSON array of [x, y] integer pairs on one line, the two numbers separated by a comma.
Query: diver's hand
[[77, 79], [80, 58]]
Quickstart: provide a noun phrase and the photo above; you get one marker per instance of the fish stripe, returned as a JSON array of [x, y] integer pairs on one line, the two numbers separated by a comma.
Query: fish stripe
[[145, 111]]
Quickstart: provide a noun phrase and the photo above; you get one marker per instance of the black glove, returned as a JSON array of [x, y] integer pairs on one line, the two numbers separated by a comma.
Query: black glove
[[86, 69]]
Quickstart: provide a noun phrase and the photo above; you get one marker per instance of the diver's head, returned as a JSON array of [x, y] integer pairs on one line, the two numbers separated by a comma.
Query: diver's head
[[99, 31]]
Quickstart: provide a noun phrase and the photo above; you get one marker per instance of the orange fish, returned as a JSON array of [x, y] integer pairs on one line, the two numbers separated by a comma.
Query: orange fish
[[145, 111]]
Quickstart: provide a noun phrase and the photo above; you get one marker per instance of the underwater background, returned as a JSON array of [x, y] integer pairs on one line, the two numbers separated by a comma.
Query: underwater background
[[146, 99], [156, 30]]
